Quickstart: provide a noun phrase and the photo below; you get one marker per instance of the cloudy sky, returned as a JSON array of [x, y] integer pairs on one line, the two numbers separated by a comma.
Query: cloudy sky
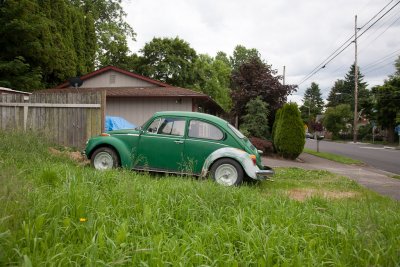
[[298, 34]]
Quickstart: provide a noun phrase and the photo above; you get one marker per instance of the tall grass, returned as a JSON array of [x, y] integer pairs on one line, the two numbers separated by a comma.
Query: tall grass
[[56, 212]]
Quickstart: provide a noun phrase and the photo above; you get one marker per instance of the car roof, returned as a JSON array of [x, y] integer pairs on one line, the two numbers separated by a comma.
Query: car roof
[[196, 115]]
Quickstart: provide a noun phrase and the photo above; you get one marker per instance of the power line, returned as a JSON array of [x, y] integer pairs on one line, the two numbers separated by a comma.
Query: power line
[[377, 68], [380, 34], [342, 67], [322, 65], [379, 19], [377, 13], [346, 44], [382, 59]]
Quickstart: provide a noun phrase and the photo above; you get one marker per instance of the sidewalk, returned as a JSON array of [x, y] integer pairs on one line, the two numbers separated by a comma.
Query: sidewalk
[[374, 179]]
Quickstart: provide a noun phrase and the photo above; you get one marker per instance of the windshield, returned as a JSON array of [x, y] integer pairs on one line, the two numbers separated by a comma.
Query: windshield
[[236, 131]]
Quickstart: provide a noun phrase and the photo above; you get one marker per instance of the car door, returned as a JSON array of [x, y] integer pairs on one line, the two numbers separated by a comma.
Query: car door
[[161, 145], [203, 138]]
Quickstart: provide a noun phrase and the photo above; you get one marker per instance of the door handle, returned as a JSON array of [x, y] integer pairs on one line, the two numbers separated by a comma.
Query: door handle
[[178, 142]]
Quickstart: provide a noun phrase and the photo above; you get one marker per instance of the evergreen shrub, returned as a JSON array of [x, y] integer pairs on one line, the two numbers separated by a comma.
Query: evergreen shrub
[[289, 135]]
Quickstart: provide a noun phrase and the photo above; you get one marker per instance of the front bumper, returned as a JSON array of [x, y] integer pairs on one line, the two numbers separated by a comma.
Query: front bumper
[[265, 173]]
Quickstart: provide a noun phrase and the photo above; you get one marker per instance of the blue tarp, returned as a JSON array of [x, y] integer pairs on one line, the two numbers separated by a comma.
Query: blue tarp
[[117, 123]]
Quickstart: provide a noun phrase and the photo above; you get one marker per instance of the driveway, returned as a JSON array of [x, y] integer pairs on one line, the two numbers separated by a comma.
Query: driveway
[[367, 176]]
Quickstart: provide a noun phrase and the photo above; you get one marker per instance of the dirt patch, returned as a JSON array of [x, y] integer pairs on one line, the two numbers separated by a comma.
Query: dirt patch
[[74, 155], [303, 194]]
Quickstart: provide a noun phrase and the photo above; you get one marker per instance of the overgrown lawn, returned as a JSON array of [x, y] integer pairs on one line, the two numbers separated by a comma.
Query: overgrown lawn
[[55, 211]]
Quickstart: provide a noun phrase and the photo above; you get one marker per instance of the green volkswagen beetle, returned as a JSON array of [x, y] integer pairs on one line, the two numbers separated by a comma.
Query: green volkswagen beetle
[[180, 142]]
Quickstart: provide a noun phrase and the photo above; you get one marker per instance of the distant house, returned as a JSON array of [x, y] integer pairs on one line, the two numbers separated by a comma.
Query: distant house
[[136, 97]]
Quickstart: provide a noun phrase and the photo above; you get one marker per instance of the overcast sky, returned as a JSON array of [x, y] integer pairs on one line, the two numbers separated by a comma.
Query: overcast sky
[[298, 34]]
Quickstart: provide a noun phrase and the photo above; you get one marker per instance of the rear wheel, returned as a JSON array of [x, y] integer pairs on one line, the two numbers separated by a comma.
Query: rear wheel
[[104, 158], [227, 172]]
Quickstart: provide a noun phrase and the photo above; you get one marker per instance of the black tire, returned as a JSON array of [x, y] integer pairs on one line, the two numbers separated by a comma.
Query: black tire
[[104, 158], [228, 168]]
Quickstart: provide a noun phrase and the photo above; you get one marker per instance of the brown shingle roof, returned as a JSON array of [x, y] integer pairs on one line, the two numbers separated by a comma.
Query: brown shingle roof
[[105, 69], [134, 91]]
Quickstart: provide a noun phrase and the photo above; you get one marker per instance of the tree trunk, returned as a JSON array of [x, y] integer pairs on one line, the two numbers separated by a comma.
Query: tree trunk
[[390, 134]]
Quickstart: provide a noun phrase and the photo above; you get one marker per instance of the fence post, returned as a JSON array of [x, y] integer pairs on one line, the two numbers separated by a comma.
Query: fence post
[[25, 117]]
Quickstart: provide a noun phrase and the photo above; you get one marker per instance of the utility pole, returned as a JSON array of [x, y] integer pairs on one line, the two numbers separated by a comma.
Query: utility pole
[[355, 85], [284, 70]]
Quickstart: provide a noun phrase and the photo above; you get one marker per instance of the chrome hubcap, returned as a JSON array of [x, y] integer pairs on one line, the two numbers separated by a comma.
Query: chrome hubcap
[[226, 174], [103, 161]]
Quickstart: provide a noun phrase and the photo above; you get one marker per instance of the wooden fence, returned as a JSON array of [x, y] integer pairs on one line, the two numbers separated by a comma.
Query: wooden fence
[[67, 119]]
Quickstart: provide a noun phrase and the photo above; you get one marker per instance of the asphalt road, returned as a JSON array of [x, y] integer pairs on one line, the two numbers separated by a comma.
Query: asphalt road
[[374, 155]]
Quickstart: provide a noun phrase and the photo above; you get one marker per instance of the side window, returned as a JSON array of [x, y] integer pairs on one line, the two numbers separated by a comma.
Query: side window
[[204, 130], [172, 126], [153, 127]]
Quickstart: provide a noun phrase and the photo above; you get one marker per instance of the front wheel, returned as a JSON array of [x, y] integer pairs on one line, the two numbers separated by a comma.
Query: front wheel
[[227, 172], [104, 158]]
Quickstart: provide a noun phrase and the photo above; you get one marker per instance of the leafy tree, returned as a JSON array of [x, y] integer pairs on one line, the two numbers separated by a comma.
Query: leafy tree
[[212, 77], [289, 136], [19, 42], [343, 92], [170, 60], [313, 103], [397, 66], [243, 55], [387, 105], [112, 31], [18, 74], [335, 95], [255, 122], [255, 78], [46, 41], [336, 118], [173, 61], [222, 56]]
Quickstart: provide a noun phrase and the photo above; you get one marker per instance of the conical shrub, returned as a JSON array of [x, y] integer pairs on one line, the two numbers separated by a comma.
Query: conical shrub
[[289, 135]]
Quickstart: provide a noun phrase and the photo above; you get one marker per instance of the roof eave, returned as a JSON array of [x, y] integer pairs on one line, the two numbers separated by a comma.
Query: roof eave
[[105, 69]]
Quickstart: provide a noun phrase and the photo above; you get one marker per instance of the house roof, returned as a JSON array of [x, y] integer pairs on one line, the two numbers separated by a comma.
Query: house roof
[[134, 91], [160, 90], [105, 69]]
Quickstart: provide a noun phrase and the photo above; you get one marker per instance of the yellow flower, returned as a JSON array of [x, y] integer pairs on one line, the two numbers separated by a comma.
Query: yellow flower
[[82, 219]]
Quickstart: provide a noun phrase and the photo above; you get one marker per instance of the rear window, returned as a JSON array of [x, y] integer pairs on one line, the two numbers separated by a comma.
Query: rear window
[[204, 130], [236, 131]]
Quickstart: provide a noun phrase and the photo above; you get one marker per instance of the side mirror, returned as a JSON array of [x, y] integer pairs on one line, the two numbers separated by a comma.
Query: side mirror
[[260, 152]]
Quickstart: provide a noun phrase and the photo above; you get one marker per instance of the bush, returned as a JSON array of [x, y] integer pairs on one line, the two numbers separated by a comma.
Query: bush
[[365, 132], [277, 116], [336, 119], [255, 122], [262, 144], [289, 133]]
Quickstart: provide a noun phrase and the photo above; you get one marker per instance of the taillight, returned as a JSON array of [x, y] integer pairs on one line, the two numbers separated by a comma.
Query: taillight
[[254, 159]]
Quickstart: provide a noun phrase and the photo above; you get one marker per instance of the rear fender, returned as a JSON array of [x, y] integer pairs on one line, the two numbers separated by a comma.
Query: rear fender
[[237, 154]]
